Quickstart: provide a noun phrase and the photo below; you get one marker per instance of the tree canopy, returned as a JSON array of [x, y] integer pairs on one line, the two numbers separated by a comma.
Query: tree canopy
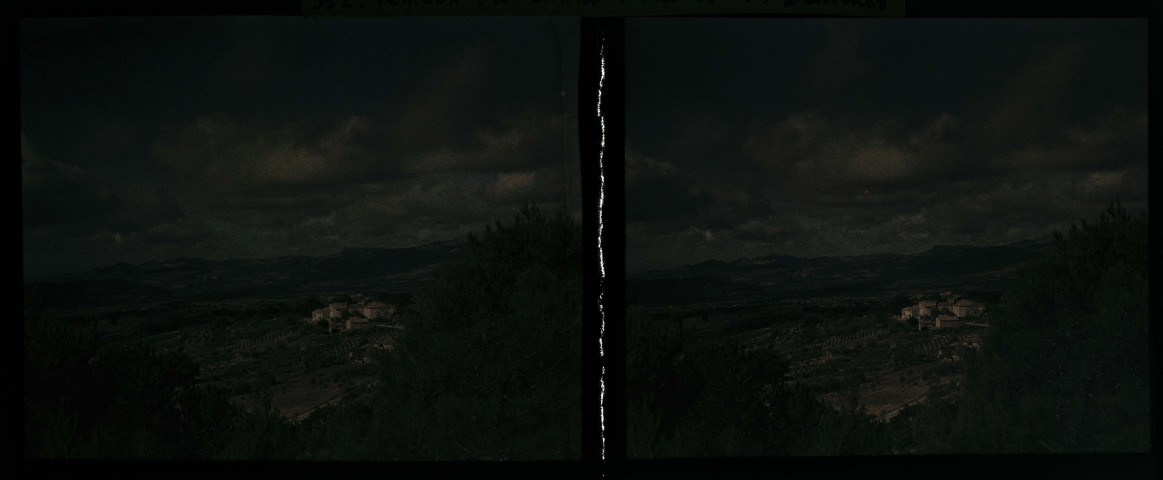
[[491, 368], [1064, 367], [699, 399]]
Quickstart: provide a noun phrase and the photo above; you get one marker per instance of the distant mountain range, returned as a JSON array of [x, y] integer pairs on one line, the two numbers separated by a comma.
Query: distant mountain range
[[375, 270], [777, 277], [353, 270]]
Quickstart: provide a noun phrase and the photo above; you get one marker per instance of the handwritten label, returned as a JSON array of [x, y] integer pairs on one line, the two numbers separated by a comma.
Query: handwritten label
[[601, 8]]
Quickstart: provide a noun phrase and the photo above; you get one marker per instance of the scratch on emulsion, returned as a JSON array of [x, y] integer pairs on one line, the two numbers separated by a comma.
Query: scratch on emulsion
[[601, 255]]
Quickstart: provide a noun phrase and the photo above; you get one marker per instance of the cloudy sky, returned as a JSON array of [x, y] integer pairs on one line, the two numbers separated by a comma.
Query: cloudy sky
[[253, 137], [810, 137]]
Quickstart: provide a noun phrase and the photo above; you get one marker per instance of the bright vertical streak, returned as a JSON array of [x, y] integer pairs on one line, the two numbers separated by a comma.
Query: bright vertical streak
[[601, 256]]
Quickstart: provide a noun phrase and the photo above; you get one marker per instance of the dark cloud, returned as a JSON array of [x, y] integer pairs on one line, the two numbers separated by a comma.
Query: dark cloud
[[54, 192], [254, 137], [814, 158], [228, 159], [1116, 139], [701, 132], [877, 136], [840, 59], [508, 143], [1028, 108], [656, 190]]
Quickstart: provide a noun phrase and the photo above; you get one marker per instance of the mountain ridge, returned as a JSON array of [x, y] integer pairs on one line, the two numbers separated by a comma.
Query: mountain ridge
[[352, 269], [792, 259], [784, 276]]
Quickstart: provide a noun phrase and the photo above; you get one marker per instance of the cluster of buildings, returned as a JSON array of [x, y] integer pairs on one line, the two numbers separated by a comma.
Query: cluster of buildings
[[352, 316], [942, 314]]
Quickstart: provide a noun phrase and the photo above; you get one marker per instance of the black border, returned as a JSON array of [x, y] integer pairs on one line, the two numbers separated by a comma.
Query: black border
[[588, 128], [913, 8]]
